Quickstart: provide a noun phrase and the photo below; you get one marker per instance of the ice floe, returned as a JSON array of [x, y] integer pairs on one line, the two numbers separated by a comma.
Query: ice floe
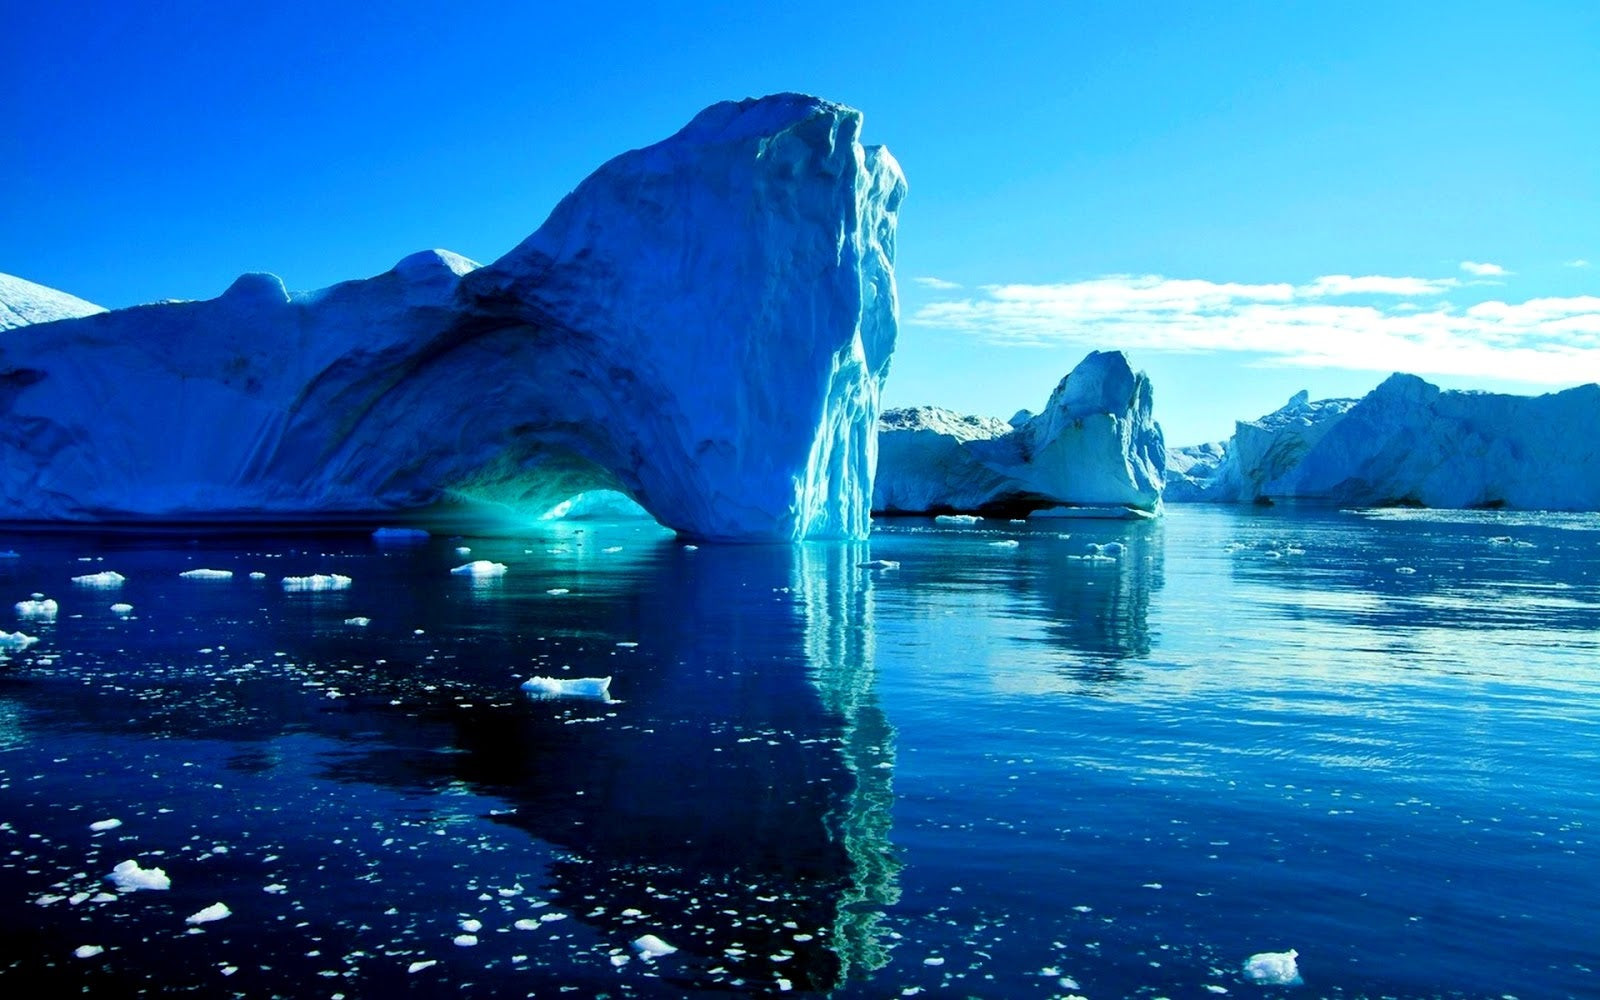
[[88, 951], [480, 567], [1273, 968], [16, 640], [207, 574], [38, 607], [104, 580], [129, 877], [105, 824], [878, 564], [121, 608], [316, 581], [212, 913], [598, 688], [650, 947]]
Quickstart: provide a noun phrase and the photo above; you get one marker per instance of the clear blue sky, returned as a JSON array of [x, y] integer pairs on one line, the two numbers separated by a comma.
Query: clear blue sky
[[1219, 158]]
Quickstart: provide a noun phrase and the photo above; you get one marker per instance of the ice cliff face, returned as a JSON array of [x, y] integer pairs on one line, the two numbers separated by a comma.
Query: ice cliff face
[[1248, 465], [1408, 442], [23, 303], [703, 324], [1094, 445]]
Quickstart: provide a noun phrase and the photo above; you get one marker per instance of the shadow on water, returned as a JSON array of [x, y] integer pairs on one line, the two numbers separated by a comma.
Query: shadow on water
[[734, 800]]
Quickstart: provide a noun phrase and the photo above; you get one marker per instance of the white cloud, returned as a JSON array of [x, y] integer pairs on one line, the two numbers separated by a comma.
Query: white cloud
[[1375, 284], [1580, 262], [1479, 269], [1554, 341], [938, 284]]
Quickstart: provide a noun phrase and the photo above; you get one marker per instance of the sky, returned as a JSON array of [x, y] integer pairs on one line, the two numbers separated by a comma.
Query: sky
[[1249, 198]]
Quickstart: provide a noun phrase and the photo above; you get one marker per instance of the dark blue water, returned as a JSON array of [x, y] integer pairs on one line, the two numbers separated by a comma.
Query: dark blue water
[[996, 771]]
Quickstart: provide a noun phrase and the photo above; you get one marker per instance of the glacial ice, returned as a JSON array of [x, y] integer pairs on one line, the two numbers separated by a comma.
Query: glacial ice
[[104, 580], [703, 324], [1259, 453], [480, 568], [1273, 968], [1095, 446], [316, 582], [23, 303], [129, 877], [598, 688], [1408, 442]]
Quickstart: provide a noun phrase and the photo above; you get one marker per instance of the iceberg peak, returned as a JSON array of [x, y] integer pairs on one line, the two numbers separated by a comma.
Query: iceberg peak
[[23, 303], [257, 289]]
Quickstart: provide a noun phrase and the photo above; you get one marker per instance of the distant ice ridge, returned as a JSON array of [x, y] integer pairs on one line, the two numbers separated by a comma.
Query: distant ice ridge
[[703, 324], [1096, 445], [1407, 442], [23, 303]]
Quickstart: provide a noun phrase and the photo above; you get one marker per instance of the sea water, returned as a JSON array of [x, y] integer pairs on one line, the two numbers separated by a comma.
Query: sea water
[[1110, 760]]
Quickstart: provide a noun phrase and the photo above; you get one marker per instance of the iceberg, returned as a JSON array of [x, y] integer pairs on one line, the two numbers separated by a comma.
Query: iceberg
[[317, 582], [1273, 968], [703, 324], [129, 877], [1260, 452], [23, 303], [1095, 445], [1409, 443], [104, 580], [596, 688]]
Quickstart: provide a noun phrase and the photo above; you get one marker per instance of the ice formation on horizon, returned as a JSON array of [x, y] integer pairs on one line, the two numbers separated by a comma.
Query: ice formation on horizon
[[703, 324], [1409, 443], [1096, 448]]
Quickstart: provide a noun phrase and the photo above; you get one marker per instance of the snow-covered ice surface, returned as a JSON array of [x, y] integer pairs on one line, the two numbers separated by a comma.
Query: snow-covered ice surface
[[704, 324], [23, 302], [1095, 447]]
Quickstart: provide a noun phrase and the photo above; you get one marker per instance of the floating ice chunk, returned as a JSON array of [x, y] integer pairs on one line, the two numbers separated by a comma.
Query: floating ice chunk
[[16, 640], [480, 567], [316, 581], [1273, 968], [465, 940], [526, 925], [1213, 988], [129, 877], [471, 926], [1094, 513], [1005, 543], [598, 688], [651, 947], [462, 550], [358, 621], [1405, 570], [416, 967], [258, 575], [104, 580], [399, 535], [88, 951], [212, 913], [275, 889], [38, 607], [610, 549], [121, 609], [207, 574], [105, 824], [557, 591], [878, 564], [955, 519]]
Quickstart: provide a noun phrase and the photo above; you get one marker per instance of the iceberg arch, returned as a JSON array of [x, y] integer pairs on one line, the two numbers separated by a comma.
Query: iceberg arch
[[703, 324]]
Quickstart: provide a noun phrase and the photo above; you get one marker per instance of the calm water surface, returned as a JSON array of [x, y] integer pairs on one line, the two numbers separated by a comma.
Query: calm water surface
[[999, 770]]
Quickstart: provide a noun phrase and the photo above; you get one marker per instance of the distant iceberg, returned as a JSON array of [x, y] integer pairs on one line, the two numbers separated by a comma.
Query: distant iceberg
[[703, 324], [594, 688], [1095, 445], [1410, 443]]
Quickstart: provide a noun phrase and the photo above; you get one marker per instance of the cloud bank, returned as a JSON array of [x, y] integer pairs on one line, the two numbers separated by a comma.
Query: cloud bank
[[1373, 323]]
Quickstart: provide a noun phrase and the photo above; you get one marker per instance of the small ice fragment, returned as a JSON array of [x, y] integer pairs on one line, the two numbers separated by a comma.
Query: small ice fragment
[[258, 575], [1273, 968], [105, 824], [214, 912], [933, 960], [1213, 988], [316, 581], [651, 947], [129, 877], [472, 926], [480, 567], [557, 591], [16, 640], [399, 535], [878, 564], [956, 519], [105, 580], [121, 609], [358, 621], [88, 951], [691, 548], [526, 925], [276, 888], [1405, 570], [465, 940], [1008, 543], [207, 574], [627, 645], [611, 548], [39, 606], [784, 985], [416, 967]]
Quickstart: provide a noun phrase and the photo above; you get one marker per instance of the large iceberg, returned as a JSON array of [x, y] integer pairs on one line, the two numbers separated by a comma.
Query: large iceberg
[[1260, 453], [703, 324], [1409, 442], [23, 303], [1095, 447]]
